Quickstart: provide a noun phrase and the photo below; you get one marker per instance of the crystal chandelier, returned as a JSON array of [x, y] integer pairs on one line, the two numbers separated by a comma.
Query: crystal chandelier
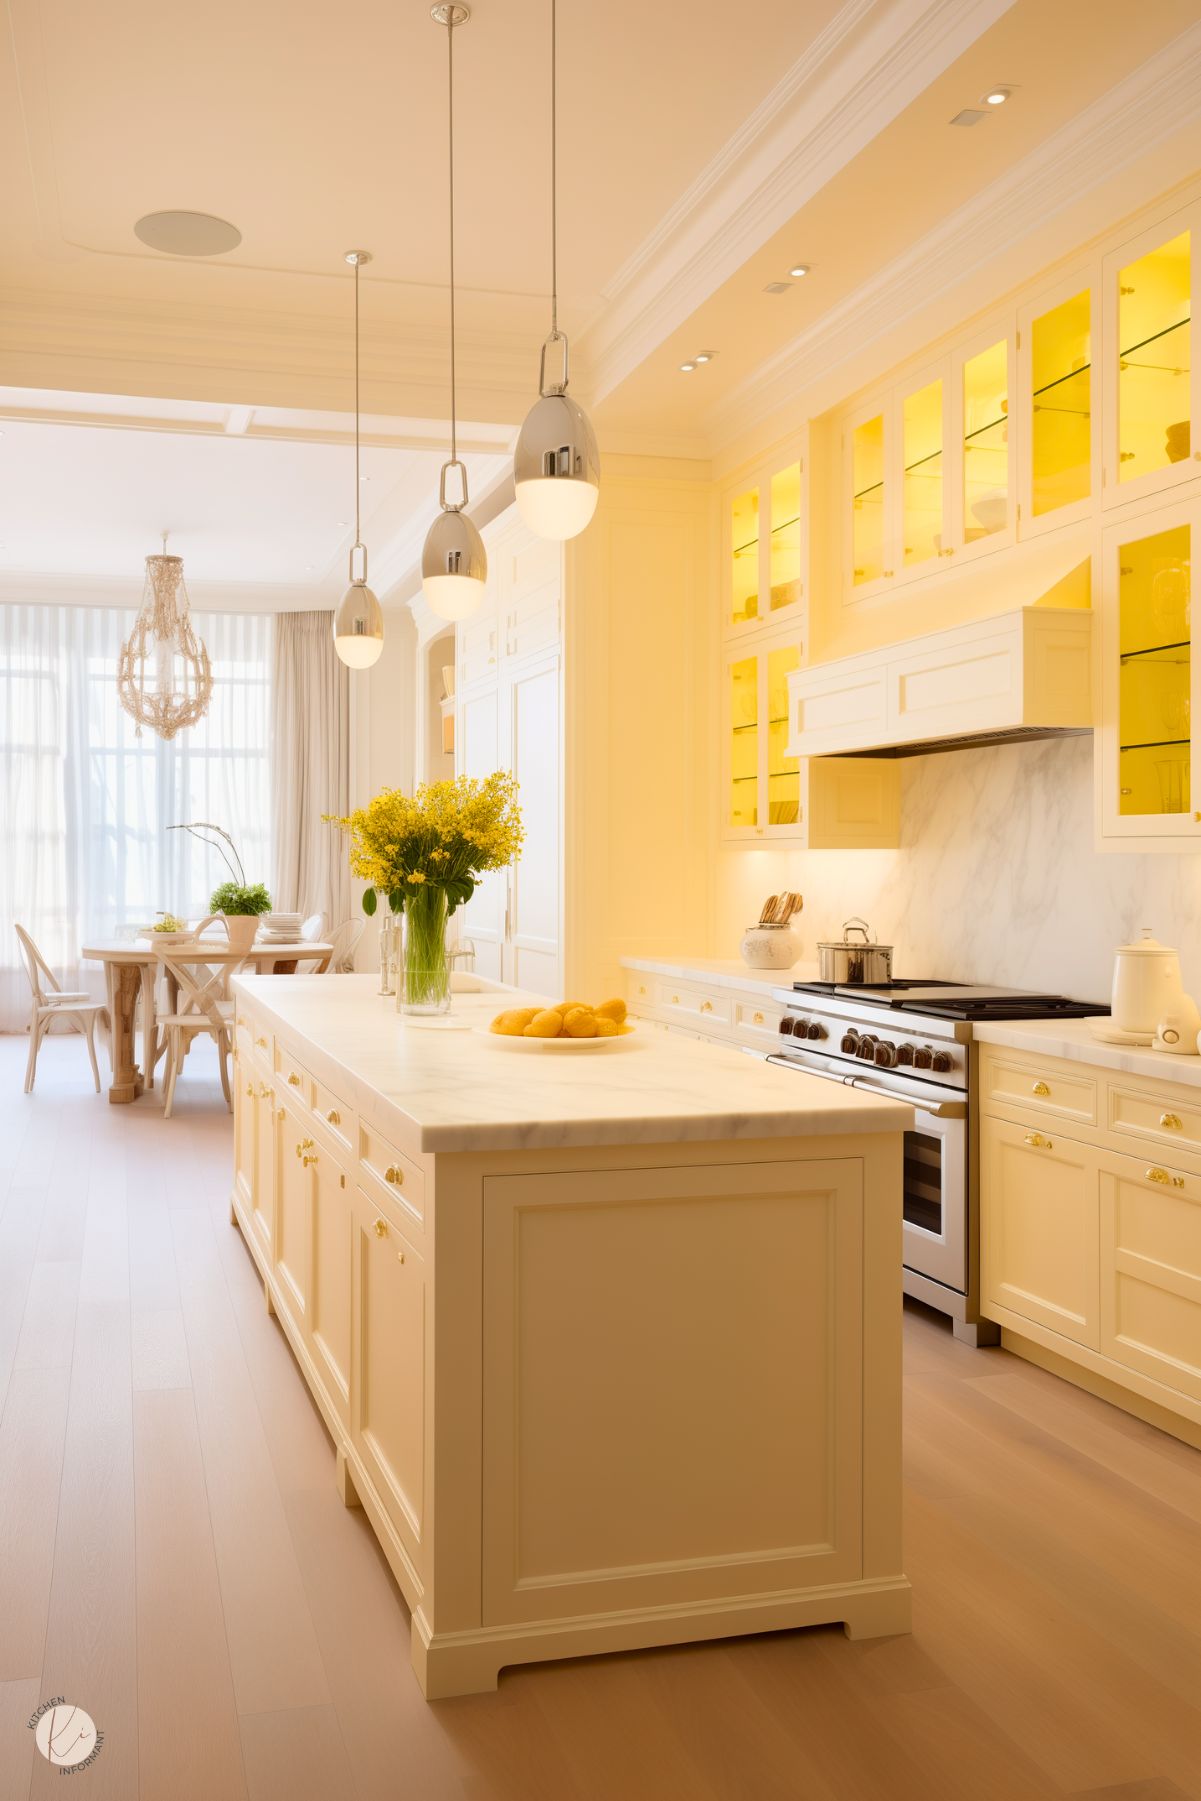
[[163, 674]]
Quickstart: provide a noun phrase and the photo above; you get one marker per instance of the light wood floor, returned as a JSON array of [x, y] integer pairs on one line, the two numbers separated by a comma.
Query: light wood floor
[[174, 1557]]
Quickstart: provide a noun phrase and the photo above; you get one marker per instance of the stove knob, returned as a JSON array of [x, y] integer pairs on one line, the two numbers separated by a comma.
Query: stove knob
[[923, 1057], [850, 1043], [867, 1050], [816, 1029], [943, 1063], [886, 1055], [786, 1024], [904, 1057]]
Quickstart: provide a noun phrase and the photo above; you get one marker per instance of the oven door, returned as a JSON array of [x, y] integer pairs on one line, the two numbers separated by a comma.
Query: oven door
[[934, 1182]]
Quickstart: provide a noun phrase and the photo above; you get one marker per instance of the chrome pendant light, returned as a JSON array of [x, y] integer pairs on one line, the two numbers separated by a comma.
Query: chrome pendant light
[[359, 620], [454, 563], [556, 467]]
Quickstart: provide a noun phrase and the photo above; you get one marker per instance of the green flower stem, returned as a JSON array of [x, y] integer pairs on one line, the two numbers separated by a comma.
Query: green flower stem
[[426, 967]]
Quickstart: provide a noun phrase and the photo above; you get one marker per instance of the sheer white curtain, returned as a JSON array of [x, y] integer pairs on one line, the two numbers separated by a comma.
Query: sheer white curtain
[[311, 770], [85, 803]]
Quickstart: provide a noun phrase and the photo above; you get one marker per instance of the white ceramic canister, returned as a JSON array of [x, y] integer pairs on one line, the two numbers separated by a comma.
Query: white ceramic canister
[[1146, 985], [770, 947]]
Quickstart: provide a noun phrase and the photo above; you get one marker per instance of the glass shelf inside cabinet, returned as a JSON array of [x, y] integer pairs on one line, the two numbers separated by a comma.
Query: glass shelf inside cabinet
[[743, 802], [744, 572], [986, 442], [1154, 356], [867, 501], [1155, 673], [921, 430], [1061, 405], [783, 771], [785, 539]]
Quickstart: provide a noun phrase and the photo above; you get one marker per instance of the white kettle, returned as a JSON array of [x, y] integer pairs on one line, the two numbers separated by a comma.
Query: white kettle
[[1146, 985]]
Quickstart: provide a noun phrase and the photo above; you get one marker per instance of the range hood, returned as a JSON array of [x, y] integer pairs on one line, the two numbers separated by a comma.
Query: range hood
[[1022, 674]]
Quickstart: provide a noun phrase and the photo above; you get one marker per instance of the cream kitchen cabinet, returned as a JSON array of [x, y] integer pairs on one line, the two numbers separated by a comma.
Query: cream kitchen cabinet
[[768, 793], [389, 1357], [1148, 777], [1059, 382], [766, 547], [1090, 1220]]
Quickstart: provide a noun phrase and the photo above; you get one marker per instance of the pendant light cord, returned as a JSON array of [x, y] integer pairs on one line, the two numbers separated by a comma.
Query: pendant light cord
[[554, 171], [358, 535], [450, 115]]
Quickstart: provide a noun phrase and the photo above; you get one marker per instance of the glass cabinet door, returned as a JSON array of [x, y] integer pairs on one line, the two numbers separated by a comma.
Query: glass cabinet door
[[784, 541], [1061, 405], [868, 494], [742, 801], [783, 771], [1150, 676], [923, 525], [762, 785], [744, 557], [984, 463], [1154, 365]]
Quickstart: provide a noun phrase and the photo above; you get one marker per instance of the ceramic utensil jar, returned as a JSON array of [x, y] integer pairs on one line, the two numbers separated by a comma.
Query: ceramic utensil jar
[[770, 946], [1146, 984]]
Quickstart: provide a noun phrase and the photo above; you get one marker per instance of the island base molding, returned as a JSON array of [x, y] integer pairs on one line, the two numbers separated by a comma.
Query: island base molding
[[469, 1663]]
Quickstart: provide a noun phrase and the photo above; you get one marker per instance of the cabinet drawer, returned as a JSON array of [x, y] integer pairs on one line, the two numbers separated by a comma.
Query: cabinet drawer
[[1151, 1271], [387, 1171], [695, 1005], [1039, 1087], [757, 1023], [339, 1121], [251, 1040], [297, 1082], [1135, 1114]]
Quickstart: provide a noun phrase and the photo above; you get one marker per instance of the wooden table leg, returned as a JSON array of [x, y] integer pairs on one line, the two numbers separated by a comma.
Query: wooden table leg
[[127, 1077], [151, 1050]]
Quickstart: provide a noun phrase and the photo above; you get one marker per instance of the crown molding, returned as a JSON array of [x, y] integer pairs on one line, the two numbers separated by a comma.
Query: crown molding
[[1161, 97], [866, 67], [21, 587]]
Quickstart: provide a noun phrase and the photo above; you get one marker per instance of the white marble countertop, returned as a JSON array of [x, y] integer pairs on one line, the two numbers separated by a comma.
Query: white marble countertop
[[724, 972], [456, 1091], [1071, 1038]]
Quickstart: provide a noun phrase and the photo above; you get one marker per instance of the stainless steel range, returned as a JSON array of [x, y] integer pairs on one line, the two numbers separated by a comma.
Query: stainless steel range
[[913, 1040]]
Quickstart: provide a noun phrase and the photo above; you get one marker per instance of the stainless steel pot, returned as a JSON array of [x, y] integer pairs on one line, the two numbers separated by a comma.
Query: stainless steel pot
[[854, 961]]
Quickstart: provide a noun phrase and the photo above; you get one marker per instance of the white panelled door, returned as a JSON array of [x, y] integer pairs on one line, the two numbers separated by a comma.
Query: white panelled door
[[534, 959], [483, 919]]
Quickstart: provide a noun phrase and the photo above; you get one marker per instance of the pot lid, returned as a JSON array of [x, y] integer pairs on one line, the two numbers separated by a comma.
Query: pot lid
[[1147, 946]]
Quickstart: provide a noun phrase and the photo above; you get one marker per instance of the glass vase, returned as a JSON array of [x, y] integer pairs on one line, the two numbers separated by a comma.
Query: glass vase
[[423, 976]]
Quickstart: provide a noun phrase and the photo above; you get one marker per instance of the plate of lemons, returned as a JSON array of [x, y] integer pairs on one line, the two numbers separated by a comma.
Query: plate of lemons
[[567, 1026]]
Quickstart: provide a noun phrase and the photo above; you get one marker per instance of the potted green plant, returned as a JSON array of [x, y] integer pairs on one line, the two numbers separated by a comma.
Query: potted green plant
[[241, 907]]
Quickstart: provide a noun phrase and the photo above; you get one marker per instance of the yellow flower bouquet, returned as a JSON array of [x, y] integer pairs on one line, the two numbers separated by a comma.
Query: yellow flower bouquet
[[425, 852]]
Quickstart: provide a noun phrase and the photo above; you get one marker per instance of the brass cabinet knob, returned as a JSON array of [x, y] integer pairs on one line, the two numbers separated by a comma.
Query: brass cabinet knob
[[1170, 1122], [675, 1000], [262, 1043], [757, 1019], [334, 1117], [264, 1091], [706, 1006], [1165, 1178], [888, 574], [310, 1158], [400, 1256], [293, 1080], [1037, 1142], [306, 1144], [250, 1091], [394, 1175], [381, 1228], [1040, 1088]]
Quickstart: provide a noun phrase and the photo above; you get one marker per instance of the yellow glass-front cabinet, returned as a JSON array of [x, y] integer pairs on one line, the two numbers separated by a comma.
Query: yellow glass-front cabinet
[[983, 500], [765, 547], [1149, 786], [1058, 373], [1152, 422], [824, 803]]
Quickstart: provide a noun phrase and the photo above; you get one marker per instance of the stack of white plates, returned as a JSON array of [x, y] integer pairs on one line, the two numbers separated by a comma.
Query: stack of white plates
[[279, 928]]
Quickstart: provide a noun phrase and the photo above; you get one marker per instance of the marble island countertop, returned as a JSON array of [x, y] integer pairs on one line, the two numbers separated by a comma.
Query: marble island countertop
[[1073, 1039], [457, 1091]]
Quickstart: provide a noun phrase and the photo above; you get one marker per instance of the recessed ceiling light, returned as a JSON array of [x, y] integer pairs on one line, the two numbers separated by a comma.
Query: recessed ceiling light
[[687, 368], [971, 115], [187, 234], [800, 269], [997, 96], [777, 287], [704, 356]]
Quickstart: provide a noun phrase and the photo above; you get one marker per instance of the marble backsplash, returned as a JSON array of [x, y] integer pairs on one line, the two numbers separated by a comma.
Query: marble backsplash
[[997, 878]]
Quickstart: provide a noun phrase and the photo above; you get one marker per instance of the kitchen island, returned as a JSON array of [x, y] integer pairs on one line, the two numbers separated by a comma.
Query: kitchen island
[[607, 1341]]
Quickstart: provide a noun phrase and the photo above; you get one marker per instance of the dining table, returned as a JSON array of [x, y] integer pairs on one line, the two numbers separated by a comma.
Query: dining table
[[131, 971]]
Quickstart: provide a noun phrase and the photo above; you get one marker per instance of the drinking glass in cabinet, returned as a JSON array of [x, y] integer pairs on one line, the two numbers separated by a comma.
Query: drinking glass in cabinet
[[1153, 360], [783, 771], [785, 537], [986, 442], [1061, 405], [921, 430], [1155, 649], [744, 748], [744, 541], [867, 500]]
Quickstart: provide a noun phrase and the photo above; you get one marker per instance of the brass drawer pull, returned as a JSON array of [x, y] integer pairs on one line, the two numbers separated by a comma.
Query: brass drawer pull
[[262, 1043], [1165, 1178], [1037, 1142], [706, 1006], [264, 1091], [1171, 1122], [334, 1117], [394, 1175], [400, 1256], [293, 1080], [310, 1158], [757, 1019], [675, 1000], [250, 1091], [1040, 1088], [381, 1228], [341, 1180], [305, 1145]]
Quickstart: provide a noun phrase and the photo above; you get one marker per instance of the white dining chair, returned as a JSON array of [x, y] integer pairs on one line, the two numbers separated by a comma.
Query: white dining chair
[[80, 1009], [313, 929], [203, 1005], [345, 940]]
